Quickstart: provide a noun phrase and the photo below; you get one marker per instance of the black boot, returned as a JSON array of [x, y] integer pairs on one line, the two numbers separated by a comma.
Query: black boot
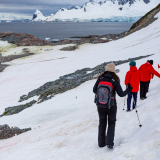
[[109, 146]]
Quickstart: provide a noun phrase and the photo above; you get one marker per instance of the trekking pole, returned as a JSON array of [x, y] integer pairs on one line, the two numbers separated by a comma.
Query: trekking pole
[[124, 102], [137, 115], [124, 99]]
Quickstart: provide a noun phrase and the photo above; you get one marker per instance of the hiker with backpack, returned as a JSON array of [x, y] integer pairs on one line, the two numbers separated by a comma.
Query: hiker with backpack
[[105, 88], [147, 71], [132, 77]]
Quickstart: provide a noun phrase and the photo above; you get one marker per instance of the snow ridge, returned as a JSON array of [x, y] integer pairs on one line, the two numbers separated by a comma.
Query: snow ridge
[[39, 16]]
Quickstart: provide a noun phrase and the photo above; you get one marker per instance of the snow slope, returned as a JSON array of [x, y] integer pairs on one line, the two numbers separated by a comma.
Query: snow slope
[[64, 127], [107, 11]]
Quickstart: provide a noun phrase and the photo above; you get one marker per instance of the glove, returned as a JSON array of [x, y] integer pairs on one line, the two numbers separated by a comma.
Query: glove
[[130, 87]]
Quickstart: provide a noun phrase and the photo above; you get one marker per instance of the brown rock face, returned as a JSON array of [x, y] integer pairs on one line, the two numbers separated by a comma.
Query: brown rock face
[[23, 39], [4, 34], [146, 20], [7, 132]]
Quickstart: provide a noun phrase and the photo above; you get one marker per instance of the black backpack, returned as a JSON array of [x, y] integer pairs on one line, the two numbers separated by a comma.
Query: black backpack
[[104, 96]]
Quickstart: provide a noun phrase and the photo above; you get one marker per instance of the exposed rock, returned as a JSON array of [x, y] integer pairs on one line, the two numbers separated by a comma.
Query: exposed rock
[[88, 36], [23, 39], [5, 34], [12, 57], [17, 109], [7, 132], [25, 49], [146, 20], [70, 48], [0, 58], [3, 66]]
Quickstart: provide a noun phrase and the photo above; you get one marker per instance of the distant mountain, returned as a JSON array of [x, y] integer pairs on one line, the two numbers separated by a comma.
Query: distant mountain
[[39, 16], [4, 17], [108, 11], [11, 18]]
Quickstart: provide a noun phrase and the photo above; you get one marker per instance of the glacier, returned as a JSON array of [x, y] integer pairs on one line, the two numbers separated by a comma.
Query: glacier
[[112, 19]]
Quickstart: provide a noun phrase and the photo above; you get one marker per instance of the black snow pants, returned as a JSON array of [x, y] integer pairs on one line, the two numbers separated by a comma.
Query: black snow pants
[[148, 86], [106, 115], [143, 89]]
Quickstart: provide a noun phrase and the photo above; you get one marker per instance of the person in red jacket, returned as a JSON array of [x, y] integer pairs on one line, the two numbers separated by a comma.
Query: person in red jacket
[[132, 78], [147, 72], [152, 75]]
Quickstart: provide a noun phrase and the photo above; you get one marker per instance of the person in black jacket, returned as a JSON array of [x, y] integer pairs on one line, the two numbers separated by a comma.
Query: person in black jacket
[[109, 76]]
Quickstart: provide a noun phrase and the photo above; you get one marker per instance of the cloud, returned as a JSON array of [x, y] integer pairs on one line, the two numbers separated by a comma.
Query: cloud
[[28, 7], [42, 2]]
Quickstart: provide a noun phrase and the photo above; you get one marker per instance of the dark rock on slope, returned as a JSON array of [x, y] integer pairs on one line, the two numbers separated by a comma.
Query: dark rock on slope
[[12, 57], [17, 109], [7, 132]]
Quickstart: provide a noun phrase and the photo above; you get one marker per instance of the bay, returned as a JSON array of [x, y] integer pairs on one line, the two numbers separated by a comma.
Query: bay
[[62, 30]]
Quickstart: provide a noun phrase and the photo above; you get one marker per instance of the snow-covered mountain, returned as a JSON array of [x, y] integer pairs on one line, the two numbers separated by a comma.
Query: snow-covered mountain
[[39, 16], [109, 10]]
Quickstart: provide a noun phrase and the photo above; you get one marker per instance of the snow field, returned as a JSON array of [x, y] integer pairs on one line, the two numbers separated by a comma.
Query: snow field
[[66, 127], [74, 135]]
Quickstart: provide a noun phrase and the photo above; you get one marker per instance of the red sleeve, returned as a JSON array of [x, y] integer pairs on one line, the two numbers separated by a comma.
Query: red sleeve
[[140, 76], [152, 75], [127, 78], [155, 72], [140, 68]]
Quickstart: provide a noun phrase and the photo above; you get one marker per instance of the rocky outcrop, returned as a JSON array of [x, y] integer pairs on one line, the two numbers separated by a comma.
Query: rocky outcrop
[[3, 66], [12, 57], [7, 132], [70, 48], [9, 58], [17, 109], [23, 39], [64, 83], [146, 20], [5, 34]]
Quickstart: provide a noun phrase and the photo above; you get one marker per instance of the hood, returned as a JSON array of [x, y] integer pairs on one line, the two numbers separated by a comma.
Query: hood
[[147, 64], [108, 74], [133, 68]]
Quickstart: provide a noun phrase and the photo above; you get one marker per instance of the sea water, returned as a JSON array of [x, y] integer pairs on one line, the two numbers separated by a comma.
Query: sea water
[[62, 30]]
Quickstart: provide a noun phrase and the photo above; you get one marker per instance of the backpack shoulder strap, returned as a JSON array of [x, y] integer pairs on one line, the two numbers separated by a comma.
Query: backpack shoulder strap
[[113, 81]]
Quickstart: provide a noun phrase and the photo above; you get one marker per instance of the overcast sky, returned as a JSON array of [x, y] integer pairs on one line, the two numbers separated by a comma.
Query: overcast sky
[[26, 8]]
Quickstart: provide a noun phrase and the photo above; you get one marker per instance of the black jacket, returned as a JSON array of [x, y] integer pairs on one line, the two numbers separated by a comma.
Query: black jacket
[[116, 85]]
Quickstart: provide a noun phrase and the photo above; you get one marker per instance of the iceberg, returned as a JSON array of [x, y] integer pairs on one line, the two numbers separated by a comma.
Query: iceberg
[[47, 39]]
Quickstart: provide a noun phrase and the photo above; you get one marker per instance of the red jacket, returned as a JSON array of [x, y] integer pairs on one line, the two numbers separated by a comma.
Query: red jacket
[[133, 77], [147, 72]]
